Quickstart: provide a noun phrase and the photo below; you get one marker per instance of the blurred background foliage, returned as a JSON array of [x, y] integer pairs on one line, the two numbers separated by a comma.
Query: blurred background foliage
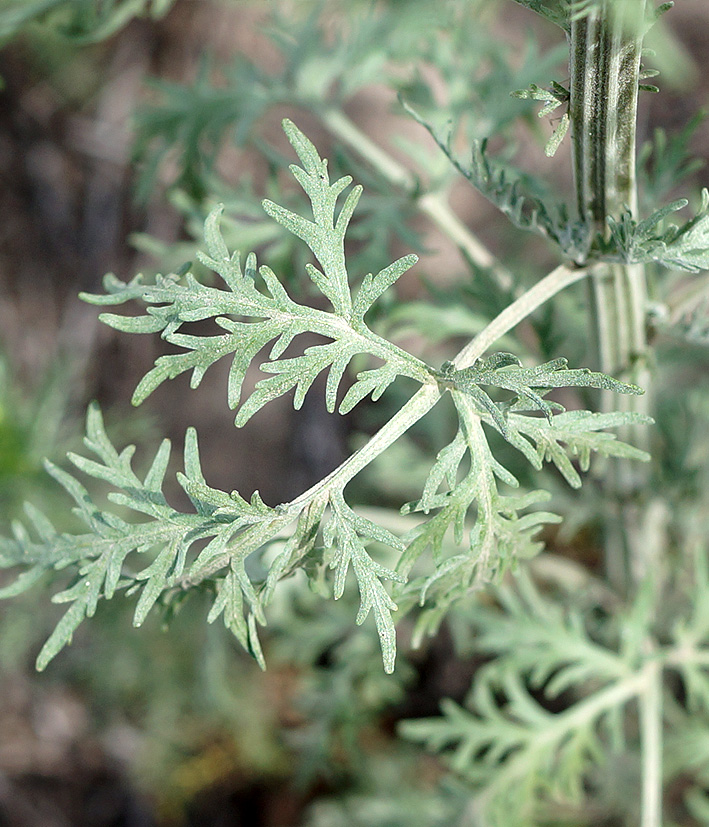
[[122, 123]]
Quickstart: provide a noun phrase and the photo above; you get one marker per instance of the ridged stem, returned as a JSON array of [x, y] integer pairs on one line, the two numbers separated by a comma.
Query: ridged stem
[[605, 48], [605, 67]]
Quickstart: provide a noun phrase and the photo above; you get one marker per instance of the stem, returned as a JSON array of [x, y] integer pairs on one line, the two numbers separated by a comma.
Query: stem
[[422, 402], [513, 314], [432, 204], [651, 747], [605, 66], [605, 48], [417, 407]]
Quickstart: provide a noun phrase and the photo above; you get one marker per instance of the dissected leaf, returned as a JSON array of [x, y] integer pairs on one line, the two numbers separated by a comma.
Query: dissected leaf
[[529, 385], [680, 248], [98, 558], [255, 309]]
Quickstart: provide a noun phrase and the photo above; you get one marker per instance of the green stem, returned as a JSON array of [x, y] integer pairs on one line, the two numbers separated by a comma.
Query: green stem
[[520, 309], [605, 48], [651, 747], [605, 51], [424, 400]]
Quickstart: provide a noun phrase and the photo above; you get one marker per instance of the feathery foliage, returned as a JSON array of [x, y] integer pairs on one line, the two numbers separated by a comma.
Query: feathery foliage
[[574, 673], [274, 315], [679, 248], [255, 313], [552, 98], [517, 751]]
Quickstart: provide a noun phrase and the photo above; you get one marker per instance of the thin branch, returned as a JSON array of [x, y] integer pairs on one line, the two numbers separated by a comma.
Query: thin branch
[[432, 204], [560, 278], [425, 399], [651, 747]]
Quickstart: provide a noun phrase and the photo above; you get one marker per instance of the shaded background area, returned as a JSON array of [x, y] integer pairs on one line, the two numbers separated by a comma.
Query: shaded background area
[[132, 728]]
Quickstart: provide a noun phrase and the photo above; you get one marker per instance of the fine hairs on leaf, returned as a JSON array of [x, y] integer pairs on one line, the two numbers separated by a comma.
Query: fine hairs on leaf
[[684, 247]]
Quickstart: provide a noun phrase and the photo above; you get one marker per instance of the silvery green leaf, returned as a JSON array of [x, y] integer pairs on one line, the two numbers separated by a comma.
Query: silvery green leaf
[[680, 248], [503, 370], [576, 435], [255, 310], [98, 557], [347, 533], [229, 604], [557, 136]]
